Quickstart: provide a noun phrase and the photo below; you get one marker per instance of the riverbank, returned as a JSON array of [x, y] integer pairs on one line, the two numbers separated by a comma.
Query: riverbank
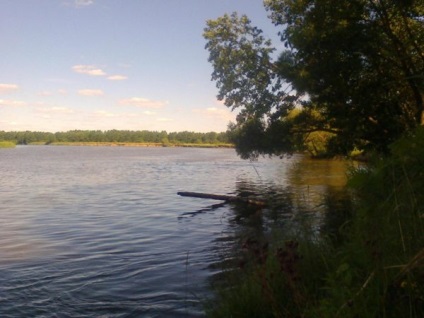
[[7, 144], [135, 144], [367, 263]]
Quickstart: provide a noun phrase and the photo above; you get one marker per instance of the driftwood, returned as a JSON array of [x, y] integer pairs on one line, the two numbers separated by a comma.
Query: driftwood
[[226, 198]]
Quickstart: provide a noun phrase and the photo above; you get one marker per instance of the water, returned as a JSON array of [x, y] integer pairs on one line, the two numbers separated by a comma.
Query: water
[[100, 231]]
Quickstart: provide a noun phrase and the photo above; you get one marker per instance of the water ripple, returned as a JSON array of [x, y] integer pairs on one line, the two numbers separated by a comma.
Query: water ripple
[[95, 231]]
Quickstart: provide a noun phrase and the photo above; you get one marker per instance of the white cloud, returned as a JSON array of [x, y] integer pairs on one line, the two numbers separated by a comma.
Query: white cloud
[[143, 102], [60, 109], [149, 113], [7, 88], [52, 93], [164, 119], [13, 103], [217, 113], [117, 78], [90, 92], [88, 70], [83, 3]]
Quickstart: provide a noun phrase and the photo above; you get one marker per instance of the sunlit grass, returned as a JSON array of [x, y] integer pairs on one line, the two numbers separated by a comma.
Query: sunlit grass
[[7, 144]]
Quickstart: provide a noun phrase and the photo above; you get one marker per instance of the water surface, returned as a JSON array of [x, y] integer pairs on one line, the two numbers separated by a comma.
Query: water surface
[[100, 231]]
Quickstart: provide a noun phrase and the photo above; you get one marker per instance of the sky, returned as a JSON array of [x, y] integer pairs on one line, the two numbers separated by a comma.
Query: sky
[[112, 64]]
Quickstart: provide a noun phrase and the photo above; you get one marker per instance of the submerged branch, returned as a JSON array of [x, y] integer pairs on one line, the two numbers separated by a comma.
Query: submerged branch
[[227, 198]]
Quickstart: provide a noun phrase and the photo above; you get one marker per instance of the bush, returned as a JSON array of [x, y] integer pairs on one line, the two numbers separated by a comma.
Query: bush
[[376, 270]]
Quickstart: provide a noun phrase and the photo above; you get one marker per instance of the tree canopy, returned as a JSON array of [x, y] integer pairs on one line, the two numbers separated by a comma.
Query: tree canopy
[[125, 136], [351, 70]]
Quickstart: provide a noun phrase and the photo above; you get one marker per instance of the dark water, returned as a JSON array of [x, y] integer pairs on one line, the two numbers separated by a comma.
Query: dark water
[[101, 232]]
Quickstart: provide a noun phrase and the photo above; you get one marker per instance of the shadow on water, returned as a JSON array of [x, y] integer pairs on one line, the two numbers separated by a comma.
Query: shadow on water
[[310, 193]]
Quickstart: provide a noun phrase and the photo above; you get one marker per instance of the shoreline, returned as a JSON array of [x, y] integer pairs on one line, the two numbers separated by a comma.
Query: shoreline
[[132, 144]]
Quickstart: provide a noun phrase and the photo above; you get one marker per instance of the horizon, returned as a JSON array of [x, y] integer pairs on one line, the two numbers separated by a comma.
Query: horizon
[[100, 65], [106, 130]]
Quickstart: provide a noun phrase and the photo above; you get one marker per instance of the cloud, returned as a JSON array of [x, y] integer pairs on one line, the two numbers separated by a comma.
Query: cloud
[[52, 93], [83, 3], [93, 70], [7, 88], [117, 78], [88, 70], [217, 113], [103, 113], [55, 109], [149, 113], [45, 93], [90, 92], [13, 103], [164, 119], [143, 102]]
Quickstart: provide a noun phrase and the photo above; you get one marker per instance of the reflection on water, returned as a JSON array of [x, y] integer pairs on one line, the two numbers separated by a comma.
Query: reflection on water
[[301, 192], [310, 180], [298, 190], [92, 231]]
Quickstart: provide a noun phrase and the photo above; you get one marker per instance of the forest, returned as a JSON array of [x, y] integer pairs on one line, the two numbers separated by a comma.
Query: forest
[[115, 136]]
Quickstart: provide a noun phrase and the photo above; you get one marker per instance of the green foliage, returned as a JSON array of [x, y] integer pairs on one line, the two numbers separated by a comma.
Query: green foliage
[[374, 268], [242, 65], [7, 144], [387, 238], [358, 64], [115, 136], [360, 61]]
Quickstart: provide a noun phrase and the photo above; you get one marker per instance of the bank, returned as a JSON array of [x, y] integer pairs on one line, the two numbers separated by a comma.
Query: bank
[[371, 264], [135, 144]]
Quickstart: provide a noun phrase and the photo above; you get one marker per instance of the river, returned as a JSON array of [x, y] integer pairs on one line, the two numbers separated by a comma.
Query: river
[[101, 231]]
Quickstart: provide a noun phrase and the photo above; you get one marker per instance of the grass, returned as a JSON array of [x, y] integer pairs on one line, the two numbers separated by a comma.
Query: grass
[[7, 144], [373, 267]]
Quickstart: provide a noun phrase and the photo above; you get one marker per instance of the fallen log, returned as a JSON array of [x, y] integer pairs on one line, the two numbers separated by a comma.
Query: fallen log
[[226, 198]]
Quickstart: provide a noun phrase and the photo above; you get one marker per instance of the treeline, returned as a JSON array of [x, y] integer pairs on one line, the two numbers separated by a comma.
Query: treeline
[[120, 136]]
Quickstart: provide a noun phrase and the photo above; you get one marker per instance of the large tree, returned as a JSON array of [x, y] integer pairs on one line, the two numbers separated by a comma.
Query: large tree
[[352, 68]]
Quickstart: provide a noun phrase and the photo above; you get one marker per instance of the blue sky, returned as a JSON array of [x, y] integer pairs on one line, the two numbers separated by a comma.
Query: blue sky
[[112, 64]]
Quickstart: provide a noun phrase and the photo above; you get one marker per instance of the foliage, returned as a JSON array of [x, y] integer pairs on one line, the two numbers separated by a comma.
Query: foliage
[[374, 269], [115, 136], [358, 64]]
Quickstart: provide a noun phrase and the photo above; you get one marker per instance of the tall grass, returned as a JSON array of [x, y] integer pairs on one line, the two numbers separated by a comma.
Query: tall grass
[[7, 144], [373, 267]]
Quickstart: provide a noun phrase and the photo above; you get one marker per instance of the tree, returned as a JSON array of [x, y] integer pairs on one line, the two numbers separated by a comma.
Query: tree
[[355, 69]]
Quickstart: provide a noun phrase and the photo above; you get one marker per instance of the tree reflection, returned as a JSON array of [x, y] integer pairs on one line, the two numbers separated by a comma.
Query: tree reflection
[[306, 194]]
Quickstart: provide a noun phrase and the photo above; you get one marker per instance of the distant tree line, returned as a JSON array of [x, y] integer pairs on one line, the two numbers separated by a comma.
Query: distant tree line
[[127, 136]]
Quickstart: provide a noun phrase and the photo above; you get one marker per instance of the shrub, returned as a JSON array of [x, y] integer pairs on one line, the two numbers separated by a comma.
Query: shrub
[[376, 269]]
